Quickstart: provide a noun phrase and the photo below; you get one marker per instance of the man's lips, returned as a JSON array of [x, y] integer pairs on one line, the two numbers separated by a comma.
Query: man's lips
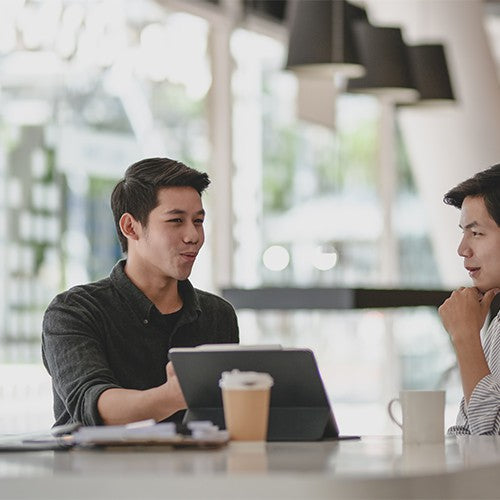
[[190, 256], [473, 271]]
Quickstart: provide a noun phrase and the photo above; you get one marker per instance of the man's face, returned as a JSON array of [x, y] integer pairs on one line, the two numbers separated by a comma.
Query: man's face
[[174, 233], [480, 245]]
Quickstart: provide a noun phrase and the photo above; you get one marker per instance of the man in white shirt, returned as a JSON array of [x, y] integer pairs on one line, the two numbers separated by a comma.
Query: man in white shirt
[[464, 313]]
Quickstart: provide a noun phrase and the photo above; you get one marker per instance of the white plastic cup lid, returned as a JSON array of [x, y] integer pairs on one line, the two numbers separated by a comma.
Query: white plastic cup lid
[[235, 379]]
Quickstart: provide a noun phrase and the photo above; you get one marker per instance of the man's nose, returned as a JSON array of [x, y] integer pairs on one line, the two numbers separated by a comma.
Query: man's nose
[[191, 234], [464, 249]]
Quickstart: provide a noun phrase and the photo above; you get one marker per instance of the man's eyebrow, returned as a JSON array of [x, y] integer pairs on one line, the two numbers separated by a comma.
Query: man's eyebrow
[[178, 211], [469, 226]]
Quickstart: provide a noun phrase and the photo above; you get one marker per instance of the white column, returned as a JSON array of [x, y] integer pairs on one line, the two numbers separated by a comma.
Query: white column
[[220, 130], [388, 243], [4, 208], [248, 159]]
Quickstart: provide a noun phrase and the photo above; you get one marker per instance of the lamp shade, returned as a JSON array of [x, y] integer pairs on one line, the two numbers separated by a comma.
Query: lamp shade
[[384, 55], [275, 10], [430, 73], [321, 38]]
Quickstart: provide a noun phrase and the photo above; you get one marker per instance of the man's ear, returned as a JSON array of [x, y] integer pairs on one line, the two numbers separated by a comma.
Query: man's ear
[[129, 227]]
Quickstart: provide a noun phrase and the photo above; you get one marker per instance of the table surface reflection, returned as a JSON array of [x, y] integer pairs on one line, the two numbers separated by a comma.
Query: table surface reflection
[[372, 467]]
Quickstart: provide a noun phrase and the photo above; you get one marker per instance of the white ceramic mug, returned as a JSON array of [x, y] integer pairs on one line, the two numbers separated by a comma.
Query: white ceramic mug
[[423, 416]]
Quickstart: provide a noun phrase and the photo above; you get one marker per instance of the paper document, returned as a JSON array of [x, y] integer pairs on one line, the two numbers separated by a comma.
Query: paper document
[[149, 432]]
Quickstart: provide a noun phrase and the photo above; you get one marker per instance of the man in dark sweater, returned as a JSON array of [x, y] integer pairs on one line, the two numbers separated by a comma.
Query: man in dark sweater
[[106, 344]]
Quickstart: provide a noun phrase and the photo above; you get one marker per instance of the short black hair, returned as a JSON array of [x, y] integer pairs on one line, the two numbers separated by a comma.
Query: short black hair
[[486, 185], [137, 192]]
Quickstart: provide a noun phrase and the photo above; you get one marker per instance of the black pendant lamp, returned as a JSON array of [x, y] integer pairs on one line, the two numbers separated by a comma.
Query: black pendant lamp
[[274, 10], [321, 40], [384, 55], [430, 74]]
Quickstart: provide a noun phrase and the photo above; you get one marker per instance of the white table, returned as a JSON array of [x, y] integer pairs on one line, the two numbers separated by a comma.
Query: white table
[[373, 467]]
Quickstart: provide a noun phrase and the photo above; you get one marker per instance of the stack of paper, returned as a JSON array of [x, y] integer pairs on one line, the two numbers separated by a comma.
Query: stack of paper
[[149, 432]]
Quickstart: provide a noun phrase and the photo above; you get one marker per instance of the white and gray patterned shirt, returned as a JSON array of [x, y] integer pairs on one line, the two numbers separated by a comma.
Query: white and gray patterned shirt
[[482, 414]]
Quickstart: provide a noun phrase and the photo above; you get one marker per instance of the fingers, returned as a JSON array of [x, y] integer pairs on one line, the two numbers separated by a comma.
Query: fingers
[[176, 396], [488, 297], [170, 370], [469, 291]]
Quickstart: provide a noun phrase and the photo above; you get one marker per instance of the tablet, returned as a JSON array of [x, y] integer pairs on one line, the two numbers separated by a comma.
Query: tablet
[[299, 408]]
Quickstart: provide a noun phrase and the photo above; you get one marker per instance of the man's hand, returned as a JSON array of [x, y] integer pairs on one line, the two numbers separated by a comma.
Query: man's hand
[[463, 315], [173, 389], [123, 406]]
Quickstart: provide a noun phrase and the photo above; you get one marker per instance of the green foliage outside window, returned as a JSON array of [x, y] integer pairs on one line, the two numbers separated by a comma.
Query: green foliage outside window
[[341, 161]]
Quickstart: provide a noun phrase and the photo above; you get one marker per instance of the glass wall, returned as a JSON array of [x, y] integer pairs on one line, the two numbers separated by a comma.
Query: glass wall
[[314, 191]]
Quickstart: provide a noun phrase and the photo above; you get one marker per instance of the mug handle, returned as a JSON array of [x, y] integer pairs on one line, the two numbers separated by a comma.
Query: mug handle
[[389, 410]]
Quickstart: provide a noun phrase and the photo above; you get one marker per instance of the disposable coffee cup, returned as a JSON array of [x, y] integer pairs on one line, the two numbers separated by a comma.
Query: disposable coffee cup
[[245, 398]]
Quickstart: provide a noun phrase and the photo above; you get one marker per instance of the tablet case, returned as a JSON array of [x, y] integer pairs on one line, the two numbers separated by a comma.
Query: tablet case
[[299, 408]]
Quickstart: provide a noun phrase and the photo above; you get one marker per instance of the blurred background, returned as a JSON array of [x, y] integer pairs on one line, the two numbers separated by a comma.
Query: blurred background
[[313, 186]]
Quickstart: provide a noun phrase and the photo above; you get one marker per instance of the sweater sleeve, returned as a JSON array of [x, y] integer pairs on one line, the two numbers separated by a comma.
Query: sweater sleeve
[[462, 425], [74, 355], [483, 410]]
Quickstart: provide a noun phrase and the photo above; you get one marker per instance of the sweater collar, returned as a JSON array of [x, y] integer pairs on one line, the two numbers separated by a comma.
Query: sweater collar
[[141, 305]]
